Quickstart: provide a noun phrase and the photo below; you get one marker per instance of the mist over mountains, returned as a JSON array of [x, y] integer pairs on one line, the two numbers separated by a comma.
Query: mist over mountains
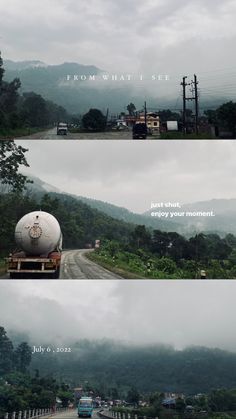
[[222, 223], [109, 363], [78, 97], [50, 82]]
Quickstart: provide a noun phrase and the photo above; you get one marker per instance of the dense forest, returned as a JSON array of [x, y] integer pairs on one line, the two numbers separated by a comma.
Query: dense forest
[[80, 224], [26, 113], [158, 254], [20, 389], [111, 370], [110, 364]]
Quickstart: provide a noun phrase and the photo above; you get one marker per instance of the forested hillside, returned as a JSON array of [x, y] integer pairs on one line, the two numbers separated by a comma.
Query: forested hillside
[[110, 364]]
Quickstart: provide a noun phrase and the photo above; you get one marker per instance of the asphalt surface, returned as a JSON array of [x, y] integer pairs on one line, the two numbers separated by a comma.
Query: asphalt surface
[[52, 135], [70, 414], [75, 265]]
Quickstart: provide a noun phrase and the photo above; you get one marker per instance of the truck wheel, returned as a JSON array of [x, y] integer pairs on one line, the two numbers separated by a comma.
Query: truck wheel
[[14, 275]]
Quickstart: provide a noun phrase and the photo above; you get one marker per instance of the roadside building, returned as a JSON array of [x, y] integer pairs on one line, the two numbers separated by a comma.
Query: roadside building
[[153, 121]]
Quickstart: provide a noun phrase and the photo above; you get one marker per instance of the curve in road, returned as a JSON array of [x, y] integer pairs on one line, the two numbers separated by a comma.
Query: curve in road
[[75, 265]]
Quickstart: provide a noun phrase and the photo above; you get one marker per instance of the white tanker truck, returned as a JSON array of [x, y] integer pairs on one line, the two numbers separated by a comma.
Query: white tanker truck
[[39, 242]]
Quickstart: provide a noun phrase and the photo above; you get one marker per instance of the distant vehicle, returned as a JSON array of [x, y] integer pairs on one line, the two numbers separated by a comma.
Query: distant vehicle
[[85, 407], [140, 131], [39, 240], [62, 128], [97, 244]]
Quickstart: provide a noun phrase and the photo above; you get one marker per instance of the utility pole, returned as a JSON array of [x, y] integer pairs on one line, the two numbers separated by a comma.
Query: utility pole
[[196, 102], [184, 84], [145, 112], [185, 99], [107, 116]]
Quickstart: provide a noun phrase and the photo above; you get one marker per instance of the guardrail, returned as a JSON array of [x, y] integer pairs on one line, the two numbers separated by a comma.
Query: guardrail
[[34, 413], [118, 415]]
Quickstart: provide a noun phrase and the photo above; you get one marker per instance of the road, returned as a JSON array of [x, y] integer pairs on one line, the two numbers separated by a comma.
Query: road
[[110, 135], [71, 414], [52, 135], [75, 265]]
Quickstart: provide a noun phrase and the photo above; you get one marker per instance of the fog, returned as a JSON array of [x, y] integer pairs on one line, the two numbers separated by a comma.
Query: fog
[[133, 174], [180, 313], [156, 36]]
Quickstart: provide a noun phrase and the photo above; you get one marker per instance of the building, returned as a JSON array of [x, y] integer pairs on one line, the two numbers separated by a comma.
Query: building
[[153, 121]]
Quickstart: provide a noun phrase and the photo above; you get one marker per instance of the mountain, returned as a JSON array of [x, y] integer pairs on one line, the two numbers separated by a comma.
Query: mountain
[[114, 211], [222, 223], [39, 186], [22, 65], [50, 81], [78, 97], [149, 368]]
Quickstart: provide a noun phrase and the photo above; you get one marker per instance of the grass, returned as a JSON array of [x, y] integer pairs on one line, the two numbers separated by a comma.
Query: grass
[[10, 134], [119, 271], [175, 135], [2, 266]]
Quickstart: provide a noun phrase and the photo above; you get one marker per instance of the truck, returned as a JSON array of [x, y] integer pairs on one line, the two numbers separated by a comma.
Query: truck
[[62, 128], [140, 130], [85, 407], [39, 244]]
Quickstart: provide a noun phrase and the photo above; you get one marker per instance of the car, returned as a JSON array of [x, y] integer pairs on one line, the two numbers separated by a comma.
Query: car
[[140, 131]]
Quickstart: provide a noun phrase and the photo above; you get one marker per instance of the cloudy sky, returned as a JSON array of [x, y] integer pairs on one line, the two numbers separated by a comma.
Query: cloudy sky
[[157, 36], [180, 313], [133, 174]]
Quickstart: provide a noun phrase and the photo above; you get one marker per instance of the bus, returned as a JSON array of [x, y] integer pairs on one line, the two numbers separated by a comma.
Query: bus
[[85, 407]]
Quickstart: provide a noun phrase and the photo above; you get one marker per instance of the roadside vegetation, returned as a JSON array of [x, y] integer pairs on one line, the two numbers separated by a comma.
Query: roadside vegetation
[[20, 389], [26, 113], [162, 255]]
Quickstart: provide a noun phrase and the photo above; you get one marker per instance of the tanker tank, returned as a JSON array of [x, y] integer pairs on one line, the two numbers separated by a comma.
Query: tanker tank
[[38, 233]]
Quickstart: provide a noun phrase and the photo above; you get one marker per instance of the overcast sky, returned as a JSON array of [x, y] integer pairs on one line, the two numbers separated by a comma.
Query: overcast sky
[[180, 313], [157, 36], [133, 174]]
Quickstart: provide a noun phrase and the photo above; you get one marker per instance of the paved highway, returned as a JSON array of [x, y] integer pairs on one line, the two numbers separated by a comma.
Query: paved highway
[[75, 265], [52, 135], [71, 414]]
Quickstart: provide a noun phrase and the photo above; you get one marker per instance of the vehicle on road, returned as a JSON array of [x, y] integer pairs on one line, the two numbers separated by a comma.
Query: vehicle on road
[[85, 407], [62, 128], [140, 131], [39, 243]]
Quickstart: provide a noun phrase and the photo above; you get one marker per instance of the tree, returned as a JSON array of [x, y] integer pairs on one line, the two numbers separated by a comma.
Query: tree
[[180, 405], [22, 357], [34, 111], [133, 396], [141, 237], [12, 156], [1, 71], [168, 115], [6, 353], [9, 95], [226, 114], [131, 108], [94, 120]]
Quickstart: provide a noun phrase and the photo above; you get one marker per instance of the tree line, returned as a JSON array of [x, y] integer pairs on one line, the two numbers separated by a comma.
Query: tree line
[[21, 389], [159, 254], [21, 112]]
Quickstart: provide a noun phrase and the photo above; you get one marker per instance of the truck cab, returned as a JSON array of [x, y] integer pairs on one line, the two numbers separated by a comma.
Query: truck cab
[[62, 128], [140, 131]]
